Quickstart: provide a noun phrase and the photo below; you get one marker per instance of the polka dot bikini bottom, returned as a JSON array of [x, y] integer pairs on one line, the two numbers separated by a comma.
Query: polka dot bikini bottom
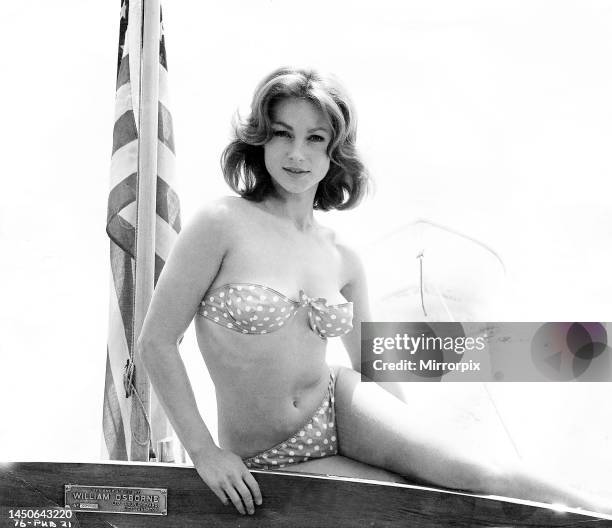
[[317, 438]]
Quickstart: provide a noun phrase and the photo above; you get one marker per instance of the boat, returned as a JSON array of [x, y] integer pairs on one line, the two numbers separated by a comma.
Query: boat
[[173, 495]]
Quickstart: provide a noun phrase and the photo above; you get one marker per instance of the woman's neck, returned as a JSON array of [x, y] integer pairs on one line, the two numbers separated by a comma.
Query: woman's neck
[[295, 209]]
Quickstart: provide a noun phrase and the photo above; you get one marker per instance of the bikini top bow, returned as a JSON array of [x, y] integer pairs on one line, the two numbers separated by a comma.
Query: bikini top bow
[[318, 314], [318, 303]]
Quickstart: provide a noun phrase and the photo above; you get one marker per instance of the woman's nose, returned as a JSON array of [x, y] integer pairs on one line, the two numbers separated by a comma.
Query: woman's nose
[[296, 153]]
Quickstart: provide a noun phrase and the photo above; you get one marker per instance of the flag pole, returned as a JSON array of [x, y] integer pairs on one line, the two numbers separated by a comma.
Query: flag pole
[[146, 205]]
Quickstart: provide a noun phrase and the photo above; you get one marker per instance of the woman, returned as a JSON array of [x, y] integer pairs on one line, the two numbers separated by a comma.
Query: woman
[[270, 285]]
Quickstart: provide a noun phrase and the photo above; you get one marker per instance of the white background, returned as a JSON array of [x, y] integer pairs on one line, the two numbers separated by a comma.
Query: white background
[[492, 117]]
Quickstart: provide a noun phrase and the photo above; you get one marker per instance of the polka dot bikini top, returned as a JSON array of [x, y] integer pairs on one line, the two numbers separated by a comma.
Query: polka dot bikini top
[[255, 309]]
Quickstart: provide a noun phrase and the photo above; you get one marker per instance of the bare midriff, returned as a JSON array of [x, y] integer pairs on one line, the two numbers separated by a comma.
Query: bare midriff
[[267, 386]]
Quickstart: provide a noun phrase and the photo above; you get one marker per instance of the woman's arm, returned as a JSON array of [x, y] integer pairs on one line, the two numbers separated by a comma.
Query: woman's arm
[[356, 291], [192, 266]]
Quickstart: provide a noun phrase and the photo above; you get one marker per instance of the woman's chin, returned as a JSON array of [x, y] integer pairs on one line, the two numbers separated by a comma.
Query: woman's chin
[[297, 188]]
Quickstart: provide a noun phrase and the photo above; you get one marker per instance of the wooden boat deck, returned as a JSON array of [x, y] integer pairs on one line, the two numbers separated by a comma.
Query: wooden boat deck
[[290, 499]]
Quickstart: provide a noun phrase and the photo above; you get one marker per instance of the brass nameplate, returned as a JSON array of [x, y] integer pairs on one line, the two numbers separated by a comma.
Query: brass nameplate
[[116, 499]]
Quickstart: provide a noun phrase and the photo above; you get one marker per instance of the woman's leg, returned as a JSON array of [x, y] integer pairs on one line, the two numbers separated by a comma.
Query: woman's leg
[[376, 428], [341, 466]]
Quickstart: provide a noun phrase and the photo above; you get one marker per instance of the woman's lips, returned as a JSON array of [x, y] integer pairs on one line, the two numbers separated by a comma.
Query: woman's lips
[[295, 171]]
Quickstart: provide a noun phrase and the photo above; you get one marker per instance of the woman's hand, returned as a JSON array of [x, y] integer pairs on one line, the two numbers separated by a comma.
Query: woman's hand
[[227, 476]]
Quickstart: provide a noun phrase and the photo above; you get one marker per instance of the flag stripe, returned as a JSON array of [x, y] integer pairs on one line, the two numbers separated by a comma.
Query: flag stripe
[[163, 87], [168, 207], [120, 231], [164, 232], [123, 100], [164, 127], [124, 195], [165, 165], [162, 46], [112, 421], [159, 266], [118, 352], [123, 279], [123, 234], [123, 24], [123, 74], [124, 130], [164, 238], [124, 163]]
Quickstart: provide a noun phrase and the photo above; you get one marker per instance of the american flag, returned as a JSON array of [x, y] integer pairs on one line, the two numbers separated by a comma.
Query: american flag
[[121, 227]]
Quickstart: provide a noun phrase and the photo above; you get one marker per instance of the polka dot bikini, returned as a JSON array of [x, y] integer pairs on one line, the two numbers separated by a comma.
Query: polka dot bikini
[[317, 438], [255, 309]]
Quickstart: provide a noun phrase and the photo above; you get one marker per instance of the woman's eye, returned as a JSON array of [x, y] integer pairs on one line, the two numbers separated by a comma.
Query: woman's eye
[[280, 133], [316, 138]]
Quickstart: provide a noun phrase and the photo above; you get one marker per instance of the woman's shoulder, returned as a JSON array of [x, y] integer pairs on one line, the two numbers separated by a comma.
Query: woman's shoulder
[[213, 221], [350, 256], [218, 212]]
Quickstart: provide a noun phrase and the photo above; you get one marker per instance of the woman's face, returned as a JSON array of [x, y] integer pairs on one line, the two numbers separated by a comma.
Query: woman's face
[[296, 156]]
